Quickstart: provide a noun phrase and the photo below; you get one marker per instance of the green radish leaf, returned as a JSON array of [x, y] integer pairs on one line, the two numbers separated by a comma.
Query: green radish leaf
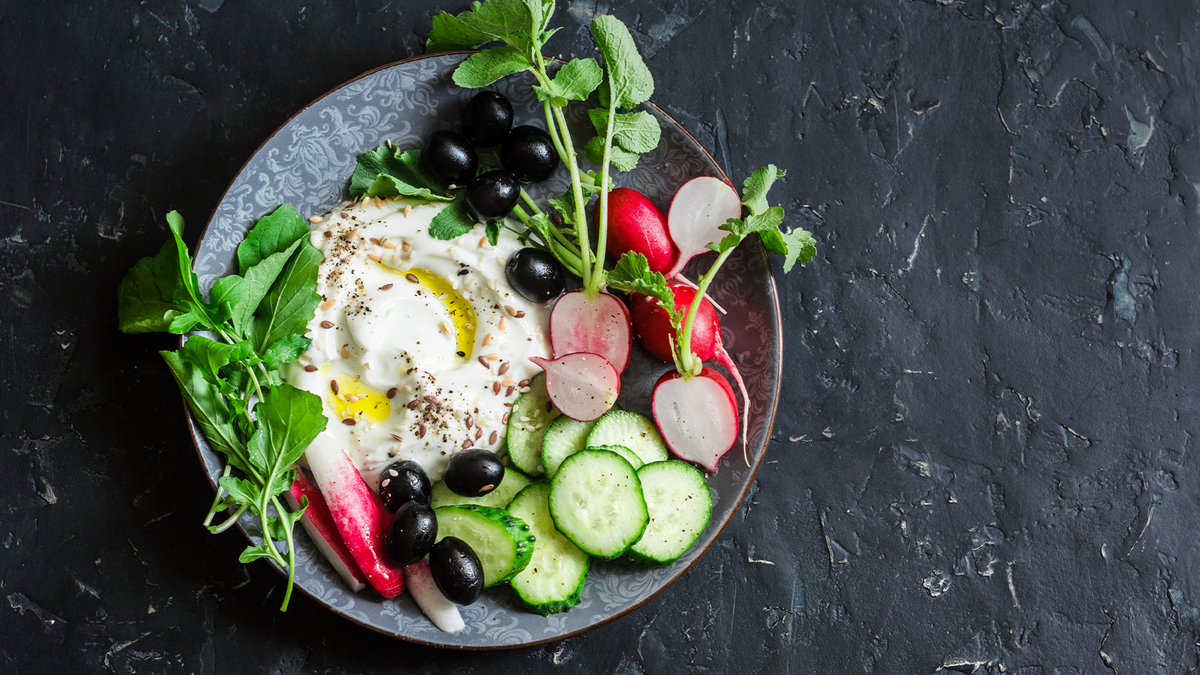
[[636, 131], [388, 171], [629, 81], [274, 232], [575, 81], [291, 302], [449, 33], [621, 158], [801, 248], [632, 275], [508, 21], [754, 194], [141, 307], [540, 12], [773, 242], [727, 242], [489, 65], [452, 221]]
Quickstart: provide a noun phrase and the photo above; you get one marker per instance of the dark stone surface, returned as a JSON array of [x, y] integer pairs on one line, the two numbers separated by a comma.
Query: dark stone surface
[[983, 458]]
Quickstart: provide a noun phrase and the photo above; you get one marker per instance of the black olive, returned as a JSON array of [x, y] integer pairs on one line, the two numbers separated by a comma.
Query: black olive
[[450, 158], [492, 195], [413, 533], [456, 570], [535, 274], [529, 153], [474, 473], [487, 119], [403, 482]]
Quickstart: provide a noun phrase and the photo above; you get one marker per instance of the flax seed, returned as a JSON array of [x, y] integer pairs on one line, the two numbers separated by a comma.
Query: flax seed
[[523, 383], [504, 420], [374, 241], [386, 287], [520, 314], [326, 324], [421, 430], [412, 405], [333, 386], [310, 368], [349, 421], [511, 310], [391, 393], [343, 215], [484, 362], [478, 434], [470, 421], [412, 278], [431, 400], [495, 387], [492, 437], [503, 368], [466, 444], [511, 388], [398, 438]]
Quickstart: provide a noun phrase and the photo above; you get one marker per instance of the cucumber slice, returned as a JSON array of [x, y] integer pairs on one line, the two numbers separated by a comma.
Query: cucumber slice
[[513, 482], [623, 451], [553, 580], [503, 543], [531, 413], [634, 431], [596, 502], [680, 507], [564, 437]]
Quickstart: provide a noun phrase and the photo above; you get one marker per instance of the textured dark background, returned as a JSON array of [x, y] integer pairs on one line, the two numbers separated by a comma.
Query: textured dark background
[[983, 459]]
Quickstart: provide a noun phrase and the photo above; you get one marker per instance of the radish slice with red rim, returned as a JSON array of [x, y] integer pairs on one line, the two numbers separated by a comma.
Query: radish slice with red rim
[[598, 324], [697, 210], [697, 416], [582, 386]]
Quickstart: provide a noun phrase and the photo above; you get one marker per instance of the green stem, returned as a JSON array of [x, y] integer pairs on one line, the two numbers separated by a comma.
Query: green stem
[[553, 129], [529, 200], [581, 230], [602, 227], [291, 555], [687, 359], [216, 505], [228, 522]]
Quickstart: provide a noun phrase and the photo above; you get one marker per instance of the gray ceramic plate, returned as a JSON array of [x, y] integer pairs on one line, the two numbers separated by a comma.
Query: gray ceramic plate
[[308, 163]]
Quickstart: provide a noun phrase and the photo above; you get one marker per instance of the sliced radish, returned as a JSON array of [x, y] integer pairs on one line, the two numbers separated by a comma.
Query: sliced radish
[[698, 208], [443, 613], [636, 224], [598, 324], [696, 416], [321, 528], [582, 386], [360, 517]]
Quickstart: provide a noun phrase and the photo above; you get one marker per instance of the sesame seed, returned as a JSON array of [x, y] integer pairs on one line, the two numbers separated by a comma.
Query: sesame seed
[[375, 256], [316, 219], [508, 383], [407, 210], [378, 203], [486, 339], [406, 247], [326, 324], [345, 352], [493, 357], [389, 245], [328, 304], [483, 242], [351, 398], [501, 325]]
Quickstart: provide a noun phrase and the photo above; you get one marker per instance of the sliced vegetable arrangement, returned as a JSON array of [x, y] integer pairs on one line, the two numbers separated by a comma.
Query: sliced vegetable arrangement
[[579, 479]]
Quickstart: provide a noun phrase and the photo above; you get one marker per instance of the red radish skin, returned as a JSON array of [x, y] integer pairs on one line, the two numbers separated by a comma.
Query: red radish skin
[[582, 386], [443, 613], [321, 528], [635, 224], [698, 208], [597, 325], [361, 519], [696, 416]]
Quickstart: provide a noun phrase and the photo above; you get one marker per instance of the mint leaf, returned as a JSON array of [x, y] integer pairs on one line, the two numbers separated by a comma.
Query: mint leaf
[[451, 34], [636, 131], [489, 65], [274, 232], [452, 221], [801, 248], [388, 171], [141, 307], [629, 81], [754, 196], [291, 301], [621, 158], [575, 81]]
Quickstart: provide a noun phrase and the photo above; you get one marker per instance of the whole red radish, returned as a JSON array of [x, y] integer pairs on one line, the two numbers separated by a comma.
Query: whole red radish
[[635, 224], [582, 386], [318, 522], [698, 209], [653, 329], [697, 416], [597, 323]]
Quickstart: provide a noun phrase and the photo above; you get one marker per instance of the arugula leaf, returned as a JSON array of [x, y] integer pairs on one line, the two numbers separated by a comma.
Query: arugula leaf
[[211, 356], [452, 221], [489, 65], [493, 232], [621, 158], [575, 81], [636, 131], [754, 196], [177, 283], [449, 33], [291, 302], [274, 232], [256, 552], [290, 419], [388, 171], [237, 297], [285, 350], [629, 81], [242, 491], [141, 307], [208, 407], [801, 247]]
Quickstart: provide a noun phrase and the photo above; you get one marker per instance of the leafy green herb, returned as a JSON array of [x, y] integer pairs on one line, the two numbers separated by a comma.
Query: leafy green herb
[[489, 65], [452, 221], [261, 316], [388, 171]]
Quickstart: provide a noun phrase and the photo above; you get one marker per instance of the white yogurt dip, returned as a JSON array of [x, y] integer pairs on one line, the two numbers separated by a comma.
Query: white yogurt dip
[[419, 345]]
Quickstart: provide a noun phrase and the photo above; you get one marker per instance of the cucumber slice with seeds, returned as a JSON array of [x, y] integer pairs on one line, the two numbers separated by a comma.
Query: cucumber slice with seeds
[[553, 580], [503, 543], [564, 437], [531, 413], [625, 452], [596, 502], [634, 431], [680, 507], [513, 482]]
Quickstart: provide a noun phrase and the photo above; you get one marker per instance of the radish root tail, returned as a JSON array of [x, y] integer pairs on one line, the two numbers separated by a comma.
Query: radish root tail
[[724, 360], [688, 282]]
